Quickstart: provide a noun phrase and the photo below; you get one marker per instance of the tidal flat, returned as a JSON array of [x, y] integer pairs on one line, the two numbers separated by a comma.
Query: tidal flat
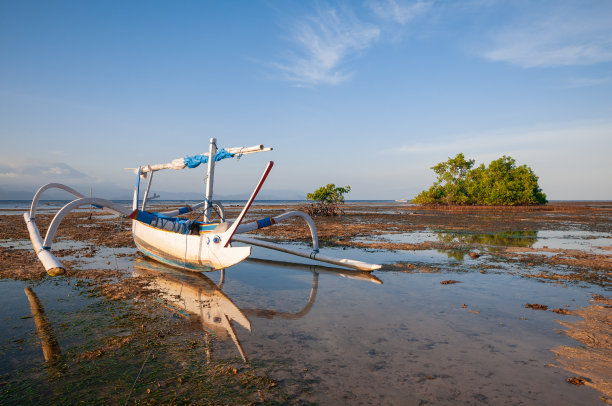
[[472, 306]]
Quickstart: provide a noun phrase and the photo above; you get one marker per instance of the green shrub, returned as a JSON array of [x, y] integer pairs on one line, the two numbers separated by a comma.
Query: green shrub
[[326, 200], [502, 183]]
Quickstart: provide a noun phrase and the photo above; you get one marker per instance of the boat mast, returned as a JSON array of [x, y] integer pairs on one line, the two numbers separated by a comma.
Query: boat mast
[[136, 189], [210, 178]]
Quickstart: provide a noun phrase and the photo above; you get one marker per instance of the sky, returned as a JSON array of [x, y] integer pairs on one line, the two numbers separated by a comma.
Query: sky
[[369, 93]]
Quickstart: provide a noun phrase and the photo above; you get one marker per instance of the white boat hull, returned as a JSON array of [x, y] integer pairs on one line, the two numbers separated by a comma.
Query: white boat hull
[[199, 252]]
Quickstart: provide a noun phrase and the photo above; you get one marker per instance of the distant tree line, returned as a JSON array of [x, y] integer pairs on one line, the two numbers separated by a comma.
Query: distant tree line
[[502, 183]]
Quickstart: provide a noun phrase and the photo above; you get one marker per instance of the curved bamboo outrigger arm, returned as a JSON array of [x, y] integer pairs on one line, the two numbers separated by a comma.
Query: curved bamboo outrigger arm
[[255, 225], [123, 211], [42, 248], [42, 189], [314, 254], [348, 263], [48, 186]]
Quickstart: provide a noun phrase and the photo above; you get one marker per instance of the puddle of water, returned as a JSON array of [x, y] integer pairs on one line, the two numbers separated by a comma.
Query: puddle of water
[[102, 257], [16, 244], [331, 339], [416, 237], [27, 333], [7, 212], [374, 256], [60, 243], [502, 239], [575, 240]]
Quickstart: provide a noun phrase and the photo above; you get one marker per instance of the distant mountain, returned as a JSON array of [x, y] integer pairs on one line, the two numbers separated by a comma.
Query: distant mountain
[[16, 194]]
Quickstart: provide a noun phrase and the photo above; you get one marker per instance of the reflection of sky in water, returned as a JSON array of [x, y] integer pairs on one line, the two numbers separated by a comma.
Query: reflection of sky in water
[[416, 237], [374, 341], [508, 238], [575, 240], [504, 239], [501, 239], [18, 339], [407, 340], [120, 257], [374, 256]]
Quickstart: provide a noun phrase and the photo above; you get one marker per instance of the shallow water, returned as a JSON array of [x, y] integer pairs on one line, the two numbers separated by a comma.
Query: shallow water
[[410, 339], [22, 343], [591, 241], [335, 337], [575, 239], [319, 334]]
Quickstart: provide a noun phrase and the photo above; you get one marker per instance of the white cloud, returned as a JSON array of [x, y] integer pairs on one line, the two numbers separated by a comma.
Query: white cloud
[[325, 42], [565, 35], [400, 12]]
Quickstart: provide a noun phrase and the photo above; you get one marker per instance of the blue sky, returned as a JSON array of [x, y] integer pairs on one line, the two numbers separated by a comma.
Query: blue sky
[[369, 93]]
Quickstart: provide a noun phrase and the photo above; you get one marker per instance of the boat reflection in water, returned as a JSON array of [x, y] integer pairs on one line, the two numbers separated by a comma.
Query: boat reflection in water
[[50, 346], [196, 297], [316, 270]]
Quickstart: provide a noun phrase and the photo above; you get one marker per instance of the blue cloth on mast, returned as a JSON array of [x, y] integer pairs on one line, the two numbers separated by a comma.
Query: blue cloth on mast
[[196, 160], [222, 154]]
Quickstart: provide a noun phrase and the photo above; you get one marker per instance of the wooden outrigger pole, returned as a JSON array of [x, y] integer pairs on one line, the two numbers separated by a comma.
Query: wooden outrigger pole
[[205, 245]]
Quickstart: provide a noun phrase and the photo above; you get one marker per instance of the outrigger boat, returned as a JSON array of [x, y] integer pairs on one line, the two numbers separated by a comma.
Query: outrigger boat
[[180, 242]]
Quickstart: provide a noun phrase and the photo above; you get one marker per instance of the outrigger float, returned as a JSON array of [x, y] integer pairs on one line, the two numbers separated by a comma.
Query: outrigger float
[[197, 245]]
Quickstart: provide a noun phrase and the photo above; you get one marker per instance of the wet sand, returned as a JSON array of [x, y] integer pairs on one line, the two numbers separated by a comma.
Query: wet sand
[[566, 244]]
